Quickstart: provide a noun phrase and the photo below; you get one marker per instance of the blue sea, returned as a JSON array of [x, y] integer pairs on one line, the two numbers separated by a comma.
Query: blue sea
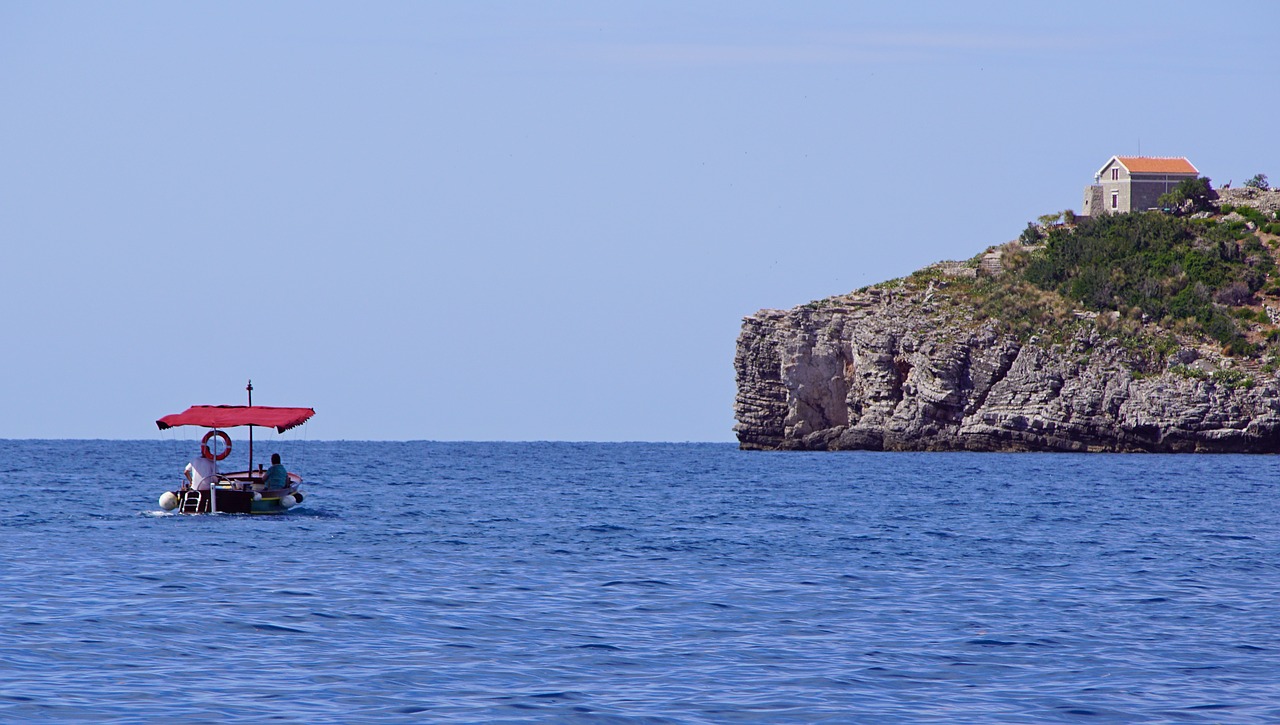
[[652, 583]]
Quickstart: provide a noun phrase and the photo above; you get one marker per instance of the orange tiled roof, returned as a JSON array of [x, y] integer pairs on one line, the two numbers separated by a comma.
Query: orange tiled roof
[[1157, 165]]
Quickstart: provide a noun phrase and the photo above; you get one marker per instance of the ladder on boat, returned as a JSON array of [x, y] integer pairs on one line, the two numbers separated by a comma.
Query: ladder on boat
[[193, 502]]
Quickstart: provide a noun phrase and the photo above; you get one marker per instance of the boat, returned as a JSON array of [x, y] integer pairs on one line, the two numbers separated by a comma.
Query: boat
[[238, 492]]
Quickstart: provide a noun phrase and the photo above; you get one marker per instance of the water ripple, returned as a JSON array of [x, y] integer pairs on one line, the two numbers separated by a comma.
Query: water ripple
[[644, 583]]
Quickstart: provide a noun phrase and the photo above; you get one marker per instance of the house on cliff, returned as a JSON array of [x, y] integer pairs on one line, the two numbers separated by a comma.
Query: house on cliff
[[1134, 183]]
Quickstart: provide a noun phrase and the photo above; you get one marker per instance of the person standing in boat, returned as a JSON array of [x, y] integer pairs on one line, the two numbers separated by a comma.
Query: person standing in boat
[[277, 476], [200, 472]]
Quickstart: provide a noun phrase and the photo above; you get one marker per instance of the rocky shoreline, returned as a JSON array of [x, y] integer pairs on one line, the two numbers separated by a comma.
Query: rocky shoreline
[[913, 368]]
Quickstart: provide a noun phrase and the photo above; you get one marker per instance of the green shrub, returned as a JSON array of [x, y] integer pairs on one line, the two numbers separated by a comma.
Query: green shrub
[[1198, 191], [1247, 314], [1183, 371], [1221, 328], [1048, 220], [1253, 215], [1031, 235], [1169, 268], [1232, 379]]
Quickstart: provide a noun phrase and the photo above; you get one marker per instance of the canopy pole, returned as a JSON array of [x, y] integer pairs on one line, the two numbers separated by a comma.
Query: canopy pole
[[249, 388]]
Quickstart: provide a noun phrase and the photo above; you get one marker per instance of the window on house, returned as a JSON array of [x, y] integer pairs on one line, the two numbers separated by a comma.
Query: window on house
[[1115, 174], [1115, 200]]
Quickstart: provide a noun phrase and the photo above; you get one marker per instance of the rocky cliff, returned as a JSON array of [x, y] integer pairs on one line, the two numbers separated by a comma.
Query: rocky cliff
[[931, 363]]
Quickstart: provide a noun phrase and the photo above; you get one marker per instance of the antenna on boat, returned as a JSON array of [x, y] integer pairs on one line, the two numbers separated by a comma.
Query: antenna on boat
[[249, 388]]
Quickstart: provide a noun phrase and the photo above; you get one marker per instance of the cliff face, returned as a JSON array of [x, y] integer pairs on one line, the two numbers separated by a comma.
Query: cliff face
[[911, 370]]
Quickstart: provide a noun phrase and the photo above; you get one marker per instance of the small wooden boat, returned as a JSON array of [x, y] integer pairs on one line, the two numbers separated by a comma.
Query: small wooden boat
[[238, 492]]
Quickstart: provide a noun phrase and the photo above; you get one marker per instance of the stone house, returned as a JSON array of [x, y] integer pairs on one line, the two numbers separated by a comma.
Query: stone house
[[1134, 183]]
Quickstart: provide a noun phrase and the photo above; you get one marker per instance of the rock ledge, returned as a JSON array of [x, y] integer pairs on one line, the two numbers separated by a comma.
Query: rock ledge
[[892, 369]]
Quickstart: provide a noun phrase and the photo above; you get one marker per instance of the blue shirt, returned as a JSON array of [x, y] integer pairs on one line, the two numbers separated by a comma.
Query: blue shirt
[[277, 477]]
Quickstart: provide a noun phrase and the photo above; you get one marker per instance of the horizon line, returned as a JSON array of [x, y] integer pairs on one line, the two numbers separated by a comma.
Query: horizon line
[[368, 440]]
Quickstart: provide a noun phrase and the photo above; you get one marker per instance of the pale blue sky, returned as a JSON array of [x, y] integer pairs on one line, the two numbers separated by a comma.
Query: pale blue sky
[[539, 221]]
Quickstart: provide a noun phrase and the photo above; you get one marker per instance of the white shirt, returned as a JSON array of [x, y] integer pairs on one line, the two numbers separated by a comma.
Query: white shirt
[[202, 472]]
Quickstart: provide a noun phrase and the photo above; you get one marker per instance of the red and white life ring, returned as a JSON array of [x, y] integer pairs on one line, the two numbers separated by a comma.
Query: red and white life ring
[[226, 445]]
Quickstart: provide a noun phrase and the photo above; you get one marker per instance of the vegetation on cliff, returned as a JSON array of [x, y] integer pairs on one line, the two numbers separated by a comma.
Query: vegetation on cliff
[[1152, 266], [1156, 282], [1193, 195]]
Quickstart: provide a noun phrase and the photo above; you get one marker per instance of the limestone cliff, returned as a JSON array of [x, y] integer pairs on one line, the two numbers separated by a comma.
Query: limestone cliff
[[929, 363]]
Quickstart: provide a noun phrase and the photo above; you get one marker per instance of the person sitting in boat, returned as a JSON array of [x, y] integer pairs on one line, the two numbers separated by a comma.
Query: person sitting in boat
[[200, 472], [277, 476]]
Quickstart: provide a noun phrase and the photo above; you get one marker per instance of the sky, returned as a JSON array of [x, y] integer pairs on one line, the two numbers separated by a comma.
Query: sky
[[539, 221]]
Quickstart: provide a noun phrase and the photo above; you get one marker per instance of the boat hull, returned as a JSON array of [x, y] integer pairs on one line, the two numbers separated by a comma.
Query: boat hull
[[237, 493], [234, 502]]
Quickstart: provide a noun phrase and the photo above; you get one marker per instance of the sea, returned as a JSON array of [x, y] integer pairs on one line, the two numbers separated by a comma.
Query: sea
[[642, 583]]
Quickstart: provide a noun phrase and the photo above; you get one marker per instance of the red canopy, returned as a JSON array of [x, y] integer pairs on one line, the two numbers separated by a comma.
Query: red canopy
[[230, 416]]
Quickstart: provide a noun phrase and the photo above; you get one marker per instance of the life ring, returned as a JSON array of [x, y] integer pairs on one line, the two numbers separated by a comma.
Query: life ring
[[226, 445]]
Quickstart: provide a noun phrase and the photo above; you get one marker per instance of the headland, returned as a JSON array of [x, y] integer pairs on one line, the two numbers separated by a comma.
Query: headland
[[1154, 331]]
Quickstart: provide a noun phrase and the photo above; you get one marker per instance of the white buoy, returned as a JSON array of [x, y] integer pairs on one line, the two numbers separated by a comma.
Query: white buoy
[[168, 501], [257, 496], [288, 501]]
